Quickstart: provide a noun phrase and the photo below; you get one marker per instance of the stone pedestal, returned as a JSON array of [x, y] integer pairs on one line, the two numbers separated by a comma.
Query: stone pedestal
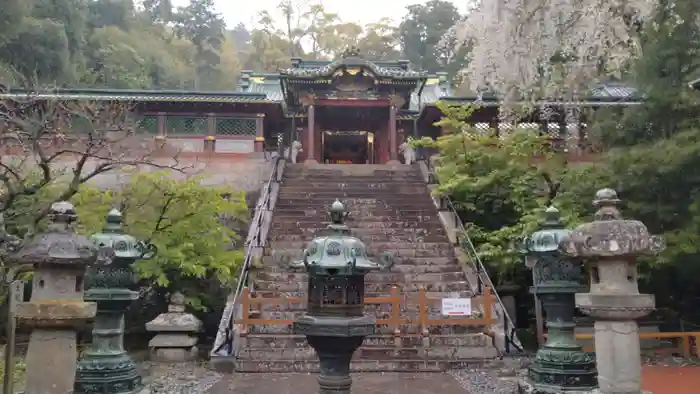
[[176, 340], [609, 246], [105, 366]]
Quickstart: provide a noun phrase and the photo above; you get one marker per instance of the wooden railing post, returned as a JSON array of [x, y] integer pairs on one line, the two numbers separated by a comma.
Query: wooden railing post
[[423, 319], [396, 315], [487, 302], [245, 311]]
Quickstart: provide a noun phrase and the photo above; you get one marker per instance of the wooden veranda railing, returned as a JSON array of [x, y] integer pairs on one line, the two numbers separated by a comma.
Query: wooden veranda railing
[[482, 307]]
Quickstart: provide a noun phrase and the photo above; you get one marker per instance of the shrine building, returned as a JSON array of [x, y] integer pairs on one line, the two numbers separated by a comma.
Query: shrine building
[[352, 110]]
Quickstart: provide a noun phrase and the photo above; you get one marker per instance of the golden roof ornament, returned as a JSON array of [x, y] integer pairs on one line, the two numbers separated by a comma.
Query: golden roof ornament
[[351, 51]]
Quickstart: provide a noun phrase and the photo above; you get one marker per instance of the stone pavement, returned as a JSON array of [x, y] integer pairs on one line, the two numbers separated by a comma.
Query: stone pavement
[[365, 383], [662, 379]]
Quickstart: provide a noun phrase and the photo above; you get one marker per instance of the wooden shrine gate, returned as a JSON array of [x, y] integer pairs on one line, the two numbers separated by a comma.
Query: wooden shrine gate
[[482, 311]]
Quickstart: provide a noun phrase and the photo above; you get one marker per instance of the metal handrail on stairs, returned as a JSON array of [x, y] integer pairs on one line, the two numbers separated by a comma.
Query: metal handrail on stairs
[[226, 343], [483, 279]]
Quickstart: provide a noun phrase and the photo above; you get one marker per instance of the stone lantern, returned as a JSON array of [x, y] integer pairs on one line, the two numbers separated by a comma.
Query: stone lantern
[[334, 323], [59, 257], [106, 367], [609, 246], [560, 365]]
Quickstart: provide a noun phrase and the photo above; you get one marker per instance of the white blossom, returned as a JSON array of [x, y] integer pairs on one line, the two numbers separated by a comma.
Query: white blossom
[[513, 43]]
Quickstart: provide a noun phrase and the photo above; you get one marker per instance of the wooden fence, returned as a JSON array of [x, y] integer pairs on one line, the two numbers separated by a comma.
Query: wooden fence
[[482, 304]]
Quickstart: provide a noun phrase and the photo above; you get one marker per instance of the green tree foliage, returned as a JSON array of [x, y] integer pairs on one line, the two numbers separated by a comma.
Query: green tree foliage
[[670, 43], [325, 36], [501, 184], [38, 168], [115, 44], [12, 13], [186, 45], [657, 156], [650, 157], [193, 227], [39, 50], [420, 34], [199, 23]]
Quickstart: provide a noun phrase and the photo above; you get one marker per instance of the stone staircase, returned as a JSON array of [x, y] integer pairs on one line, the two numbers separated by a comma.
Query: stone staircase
[[390, 210]]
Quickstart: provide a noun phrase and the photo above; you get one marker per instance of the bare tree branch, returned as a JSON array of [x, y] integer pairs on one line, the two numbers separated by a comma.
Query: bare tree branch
[[50, 141]]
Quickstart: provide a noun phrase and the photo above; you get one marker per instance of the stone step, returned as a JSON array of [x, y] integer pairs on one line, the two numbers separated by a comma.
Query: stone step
[[369, 185], [367, 353], [407, 214], [353, 168], [383, 311], [365, 223], [338, 177], [411, 201], [409, 303], [398, 249], [415, 237], [405, 329], [411, 329], [370, 286], [385, 277], [401, 256], [354, 182], [320, 221], [283, 366], [338, 182], [362, 233], [273, 262], [325, 197], [264, 341], [413, 269]]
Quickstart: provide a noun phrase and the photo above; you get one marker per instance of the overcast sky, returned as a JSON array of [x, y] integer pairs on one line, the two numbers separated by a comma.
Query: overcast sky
[[359, 11]]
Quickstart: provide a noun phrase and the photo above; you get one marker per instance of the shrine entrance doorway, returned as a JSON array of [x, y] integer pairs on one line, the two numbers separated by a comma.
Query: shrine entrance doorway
[[347, 147]]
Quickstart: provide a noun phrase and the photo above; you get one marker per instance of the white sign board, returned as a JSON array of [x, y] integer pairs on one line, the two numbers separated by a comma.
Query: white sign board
[[16, 294], [457, 306]]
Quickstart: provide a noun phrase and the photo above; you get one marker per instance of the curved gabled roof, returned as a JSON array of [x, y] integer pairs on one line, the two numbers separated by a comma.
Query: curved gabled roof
[[351, 58]]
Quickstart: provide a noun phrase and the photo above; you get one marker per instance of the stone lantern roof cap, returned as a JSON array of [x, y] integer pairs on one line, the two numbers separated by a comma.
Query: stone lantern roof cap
[[338, 252], [606, 197], [551, 231], [59, 244], [609, 234], [114, 242]]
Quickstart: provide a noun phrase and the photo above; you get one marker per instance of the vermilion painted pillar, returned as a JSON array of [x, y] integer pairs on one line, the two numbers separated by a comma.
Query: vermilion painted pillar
[[210, 138], [259, 144], [393, 146], [310, 136]]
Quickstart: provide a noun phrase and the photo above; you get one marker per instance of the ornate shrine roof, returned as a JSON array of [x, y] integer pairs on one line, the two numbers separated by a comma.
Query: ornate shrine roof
[[433, 88], [399, 69]]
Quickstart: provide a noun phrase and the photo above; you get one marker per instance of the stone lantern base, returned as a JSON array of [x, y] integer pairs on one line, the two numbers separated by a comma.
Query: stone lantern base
[[525, 387]]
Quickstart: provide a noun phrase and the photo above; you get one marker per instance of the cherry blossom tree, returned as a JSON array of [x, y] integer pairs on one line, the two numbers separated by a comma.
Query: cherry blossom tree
[[529, 49]]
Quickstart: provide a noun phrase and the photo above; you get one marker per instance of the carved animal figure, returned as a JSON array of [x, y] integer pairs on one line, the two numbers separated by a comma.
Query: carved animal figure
[[296, 148], [409, 154]]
